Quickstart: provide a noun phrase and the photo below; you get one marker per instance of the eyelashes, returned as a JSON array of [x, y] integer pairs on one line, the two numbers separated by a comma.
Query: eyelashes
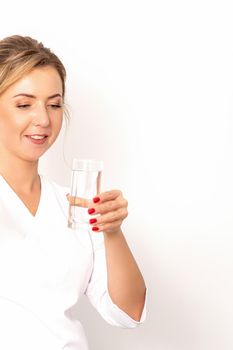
[[23, 106], [26, 106]]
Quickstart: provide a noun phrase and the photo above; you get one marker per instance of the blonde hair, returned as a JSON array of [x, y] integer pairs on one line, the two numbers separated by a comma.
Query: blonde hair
[[20, 54]]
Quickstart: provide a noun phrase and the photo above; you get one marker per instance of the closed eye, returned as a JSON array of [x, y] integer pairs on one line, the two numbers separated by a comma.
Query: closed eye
[[53, 106], [23, 106], [56, 106]]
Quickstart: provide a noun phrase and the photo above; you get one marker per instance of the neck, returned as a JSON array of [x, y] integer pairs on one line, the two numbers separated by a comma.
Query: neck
[[20, 174]]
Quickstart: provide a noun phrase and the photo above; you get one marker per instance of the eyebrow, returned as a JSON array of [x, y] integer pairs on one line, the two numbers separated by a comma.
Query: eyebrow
[[32, 96]]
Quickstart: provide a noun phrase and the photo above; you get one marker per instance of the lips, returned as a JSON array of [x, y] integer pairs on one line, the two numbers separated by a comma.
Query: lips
[[37, 136], [37, 139]]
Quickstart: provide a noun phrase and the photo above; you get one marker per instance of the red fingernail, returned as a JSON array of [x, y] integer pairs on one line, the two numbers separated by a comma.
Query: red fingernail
[[92, 221], [95, 228], [96, 199], [91, 211]]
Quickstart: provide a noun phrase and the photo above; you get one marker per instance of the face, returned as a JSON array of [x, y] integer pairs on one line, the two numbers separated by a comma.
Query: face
[[31, 112]]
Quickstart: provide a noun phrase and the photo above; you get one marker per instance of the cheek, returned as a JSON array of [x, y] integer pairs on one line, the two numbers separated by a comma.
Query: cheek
[[7, 127], [56, 124], [10, 122]]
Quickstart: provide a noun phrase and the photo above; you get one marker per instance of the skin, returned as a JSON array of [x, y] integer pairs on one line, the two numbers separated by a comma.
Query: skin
[[20, 116], [43, 114]]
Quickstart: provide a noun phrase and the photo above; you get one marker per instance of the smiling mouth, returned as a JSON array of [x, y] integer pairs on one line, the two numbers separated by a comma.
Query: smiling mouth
[[37, 137]]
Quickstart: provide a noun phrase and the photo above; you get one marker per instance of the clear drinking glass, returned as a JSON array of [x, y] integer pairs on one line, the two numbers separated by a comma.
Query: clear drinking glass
[[85, 184]]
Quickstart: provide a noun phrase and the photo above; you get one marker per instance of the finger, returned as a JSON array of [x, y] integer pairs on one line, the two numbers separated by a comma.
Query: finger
[[102, 208], [77, 201], [111, 217], [106, 207], [107, 227], [109, 195]]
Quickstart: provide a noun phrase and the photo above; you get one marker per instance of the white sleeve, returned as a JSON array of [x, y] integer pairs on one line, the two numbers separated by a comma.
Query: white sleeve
[[98, 294]]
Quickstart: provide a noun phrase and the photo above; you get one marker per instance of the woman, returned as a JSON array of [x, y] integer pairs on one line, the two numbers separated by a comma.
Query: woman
[[45, 266]]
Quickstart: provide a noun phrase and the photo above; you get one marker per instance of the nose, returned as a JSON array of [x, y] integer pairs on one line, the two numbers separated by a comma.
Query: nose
[[41, 117]]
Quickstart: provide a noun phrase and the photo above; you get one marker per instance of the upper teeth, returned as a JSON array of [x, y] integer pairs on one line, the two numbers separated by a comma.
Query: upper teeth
[[37, 137]]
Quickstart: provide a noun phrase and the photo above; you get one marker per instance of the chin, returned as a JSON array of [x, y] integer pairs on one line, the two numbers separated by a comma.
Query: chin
[[33, 158]]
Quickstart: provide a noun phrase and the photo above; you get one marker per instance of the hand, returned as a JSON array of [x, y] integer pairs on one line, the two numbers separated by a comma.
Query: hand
[[111, 209], [107, 211]]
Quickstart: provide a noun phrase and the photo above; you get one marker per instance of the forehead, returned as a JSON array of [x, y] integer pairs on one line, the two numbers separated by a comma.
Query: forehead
[[41, 82]]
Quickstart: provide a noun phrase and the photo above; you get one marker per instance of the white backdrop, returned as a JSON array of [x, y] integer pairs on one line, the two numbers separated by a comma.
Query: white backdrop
[[150, 91]]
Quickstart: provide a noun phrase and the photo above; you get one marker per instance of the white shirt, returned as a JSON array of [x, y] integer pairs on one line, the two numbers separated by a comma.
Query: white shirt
[[44, 269]]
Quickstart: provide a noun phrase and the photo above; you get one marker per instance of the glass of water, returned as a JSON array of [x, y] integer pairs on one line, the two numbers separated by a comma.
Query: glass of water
[[85, 184]]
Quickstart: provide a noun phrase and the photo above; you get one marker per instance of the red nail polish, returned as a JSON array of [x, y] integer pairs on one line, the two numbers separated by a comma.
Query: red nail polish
[[96, 199], [91, 211], [95, 228], [92, 221]]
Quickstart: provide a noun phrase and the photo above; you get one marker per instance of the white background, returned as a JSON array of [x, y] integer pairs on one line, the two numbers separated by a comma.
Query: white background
[[150, 91]]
